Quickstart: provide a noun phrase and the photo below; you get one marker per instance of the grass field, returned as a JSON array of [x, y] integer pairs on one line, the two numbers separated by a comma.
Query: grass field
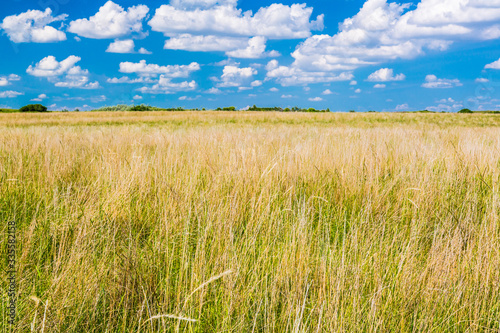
[[252, 222]]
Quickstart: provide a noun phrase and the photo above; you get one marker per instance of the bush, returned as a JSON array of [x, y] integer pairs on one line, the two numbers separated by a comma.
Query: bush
[[33, 108], [465, 111]]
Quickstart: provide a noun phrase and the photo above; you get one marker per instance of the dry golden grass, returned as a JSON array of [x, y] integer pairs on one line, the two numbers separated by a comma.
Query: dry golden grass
[[241, 222]]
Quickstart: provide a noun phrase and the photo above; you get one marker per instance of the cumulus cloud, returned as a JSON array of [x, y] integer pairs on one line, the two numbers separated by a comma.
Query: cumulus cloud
[[125, 46], [432, 82], [482, 80], [274, 89], [111, 21], [385, 75], [166, 86], [493, 65], [214, 91], [233, 76], [327, 92], [236, 47], [256, 49], [121, 46], [40, 98], [276, 21], [126, 79], [10, 94], [292, 75], [6, 80], [193, 4], [379, 86], [33, 26], [286, 96], [63, 74], [403, 107], [316, 99], [383, 31], [172, 71], [144, 51], [137, 97]]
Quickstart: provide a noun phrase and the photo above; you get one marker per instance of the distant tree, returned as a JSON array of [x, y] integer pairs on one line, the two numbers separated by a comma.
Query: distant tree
[[33, 108], [352, 111], [465, 111], [77, 110]]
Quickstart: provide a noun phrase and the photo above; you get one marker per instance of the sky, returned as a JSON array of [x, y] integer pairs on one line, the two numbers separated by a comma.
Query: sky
[[439, 55]]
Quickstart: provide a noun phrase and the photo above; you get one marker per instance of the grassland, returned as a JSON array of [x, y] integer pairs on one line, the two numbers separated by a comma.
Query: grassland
[[252, 222]]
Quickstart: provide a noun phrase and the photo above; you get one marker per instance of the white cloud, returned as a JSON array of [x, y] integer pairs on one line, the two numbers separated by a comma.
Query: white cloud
[[32, 26], [256, 83], [144, 51], [402, 107], [445, 107], [236, 47], [126, 79], [316, 99], [112, 21], [291, 75], [447, 100], [214, 91], [40, 98], [286, 96], [353, 83], [137, 97], [276, 21], [98, 99], [166, 86], [63, 74], [256, 49], [327, 92], [49, 66], [357, 91], [493, 65], [379, 86], [186, 98], [6, 80], [188, 42], [173, 71], [274, 89], [233, 76], [383, 31], [193, 4], [432, 82], [10, 94], [121, 46], [385, 75], [482, 80]]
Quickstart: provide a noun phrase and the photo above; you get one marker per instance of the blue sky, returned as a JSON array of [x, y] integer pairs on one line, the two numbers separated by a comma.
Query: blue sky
[[441, 55]]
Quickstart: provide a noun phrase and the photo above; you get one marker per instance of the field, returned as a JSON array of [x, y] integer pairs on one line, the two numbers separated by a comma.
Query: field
[[252, 222]]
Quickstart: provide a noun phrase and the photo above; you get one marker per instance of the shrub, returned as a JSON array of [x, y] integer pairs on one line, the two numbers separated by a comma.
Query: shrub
[[33, 108], [465, 111]]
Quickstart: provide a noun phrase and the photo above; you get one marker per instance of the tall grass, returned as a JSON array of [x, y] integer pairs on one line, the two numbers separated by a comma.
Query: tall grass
[[199, 223]]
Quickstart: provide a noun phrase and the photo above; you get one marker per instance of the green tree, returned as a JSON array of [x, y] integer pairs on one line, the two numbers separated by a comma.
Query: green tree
[[33, 108]]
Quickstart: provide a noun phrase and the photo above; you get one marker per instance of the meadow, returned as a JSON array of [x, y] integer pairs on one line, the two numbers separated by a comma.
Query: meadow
[[252, 222]]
